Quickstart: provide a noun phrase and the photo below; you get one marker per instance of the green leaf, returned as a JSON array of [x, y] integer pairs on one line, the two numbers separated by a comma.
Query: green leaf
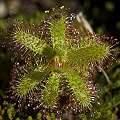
[[58, 29], [53, 116], [51, 90], [39, 115], [17, 118], [30, 118], [30, 40], [32, 79], [48, 117], [88, 52], [79, 87]]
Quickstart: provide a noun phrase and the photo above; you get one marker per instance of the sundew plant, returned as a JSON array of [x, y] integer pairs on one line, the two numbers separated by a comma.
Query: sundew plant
[[54, 64]]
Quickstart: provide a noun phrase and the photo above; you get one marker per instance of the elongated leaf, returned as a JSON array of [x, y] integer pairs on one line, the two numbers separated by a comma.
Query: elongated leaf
[[31, 80], [58, 29], [51, 90], [79, 87], [88, 52], [30, 41]]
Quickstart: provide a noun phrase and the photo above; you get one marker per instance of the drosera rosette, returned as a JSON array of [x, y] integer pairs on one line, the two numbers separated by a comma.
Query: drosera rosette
[[58, 63]]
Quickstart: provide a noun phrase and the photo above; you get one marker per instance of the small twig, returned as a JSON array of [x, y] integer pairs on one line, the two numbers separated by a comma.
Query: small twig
[[81, 19], [105, 74]]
